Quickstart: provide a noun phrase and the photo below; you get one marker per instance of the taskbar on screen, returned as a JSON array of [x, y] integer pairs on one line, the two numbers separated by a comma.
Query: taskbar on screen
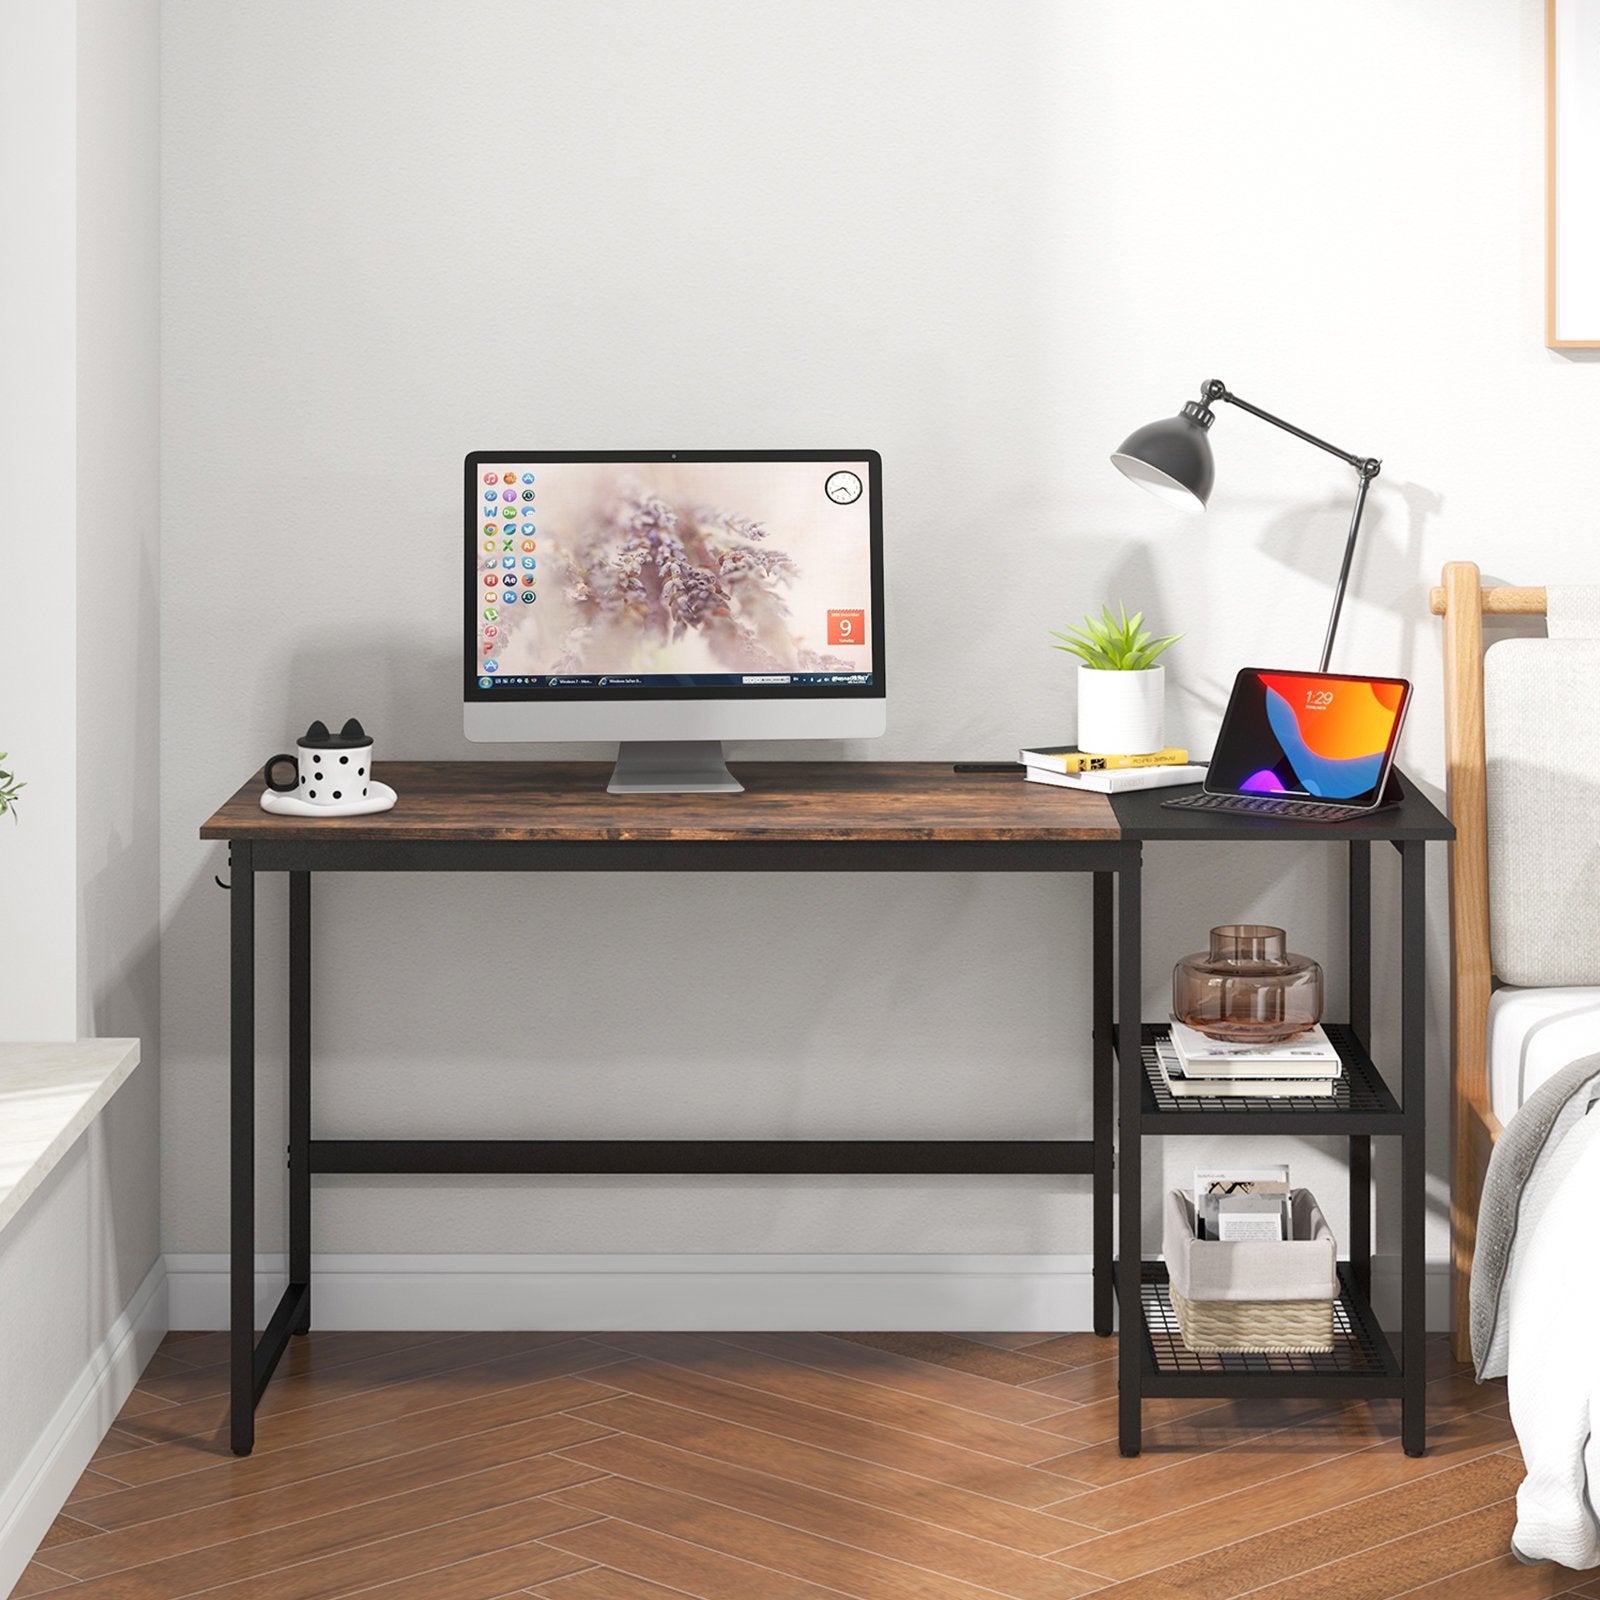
[[670, 680]]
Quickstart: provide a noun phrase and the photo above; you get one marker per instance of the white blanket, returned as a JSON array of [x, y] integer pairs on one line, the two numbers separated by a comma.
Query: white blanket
[[1553, 1363]]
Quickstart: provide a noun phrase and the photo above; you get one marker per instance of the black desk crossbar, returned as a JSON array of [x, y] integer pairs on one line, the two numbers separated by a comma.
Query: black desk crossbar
[[697, 855], [709, 1157]]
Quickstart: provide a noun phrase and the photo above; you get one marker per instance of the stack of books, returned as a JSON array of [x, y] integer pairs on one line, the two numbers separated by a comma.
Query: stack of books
[[1194, 1065], [1068, 767]]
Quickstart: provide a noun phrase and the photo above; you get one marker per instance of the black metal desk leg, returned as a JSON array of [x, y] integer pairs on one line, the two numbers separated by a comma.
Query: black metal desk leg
[[300, 1092], [1104, 1102], [242, 1174], [1413, 1154], [1130, 1343], [1360, 1012], [1360, 951], [1361, 1212]]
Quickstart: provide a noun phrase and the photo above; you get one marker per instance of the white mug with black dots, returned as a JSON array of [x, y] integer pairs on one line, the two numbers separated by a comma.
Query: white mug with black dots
[[330, 769]]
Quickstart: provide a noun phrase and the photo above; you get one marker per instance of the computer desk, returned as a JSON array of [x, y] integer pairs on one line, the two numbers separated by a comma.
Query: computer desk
[[504, 816]]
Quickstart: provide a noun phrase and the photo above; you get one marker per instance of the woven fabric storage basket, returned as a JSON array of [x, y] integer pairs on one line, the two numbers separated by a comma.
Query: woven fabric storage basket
[[1250, 1296], [1237, 1326]]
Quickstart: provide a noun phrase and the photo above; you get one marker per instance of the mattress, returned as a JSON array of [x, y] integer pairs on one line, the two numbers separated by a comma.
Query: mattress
[[1533, 1034]]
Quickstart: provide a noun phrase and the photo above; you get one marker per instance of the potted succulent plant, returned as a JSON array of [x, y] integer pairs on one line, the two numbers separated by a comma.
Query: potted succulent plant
[[1121, 690], [9, 788]]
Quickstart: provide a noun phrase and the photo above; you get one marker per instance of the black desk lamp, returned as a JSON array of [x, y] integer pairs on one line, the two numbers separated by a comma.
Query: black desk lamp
[[1172, 459]]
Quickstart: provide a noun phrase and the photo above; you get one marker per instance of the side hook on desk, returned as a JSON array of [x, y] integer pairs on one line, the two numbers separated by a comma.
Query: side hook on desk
[[216, 879]]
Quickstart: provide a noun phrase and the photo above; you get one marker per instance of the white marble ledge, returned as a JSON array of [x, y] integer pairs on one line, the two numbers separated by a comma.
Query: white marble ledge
[[49, 1093]]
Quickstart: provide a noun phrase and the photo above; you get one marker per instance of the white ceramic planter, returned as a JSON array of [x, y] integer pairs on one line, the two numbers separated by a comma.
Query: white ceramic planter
[[1122, 713]]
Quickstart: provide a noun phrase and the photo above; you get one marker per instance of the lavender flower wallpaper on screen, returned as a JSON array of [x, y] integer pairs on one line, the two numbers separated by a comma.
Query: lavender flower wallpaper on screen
[[700, 567]]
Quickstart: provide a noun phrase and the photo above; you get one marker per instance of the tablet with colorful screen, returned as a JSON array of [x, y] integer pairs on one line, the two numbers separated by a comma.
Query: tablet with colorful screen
[[1309, 735]]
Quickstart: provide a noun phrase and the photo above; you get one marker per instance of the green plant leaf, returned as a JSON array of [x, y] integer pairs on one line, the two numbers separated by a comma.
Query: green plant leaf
[[1114, 642]]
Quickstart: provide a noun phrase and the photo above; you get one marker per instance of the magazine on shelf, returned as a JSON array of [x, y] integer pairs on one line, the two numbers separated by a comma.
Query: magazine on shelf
[[1310, 1055], [1183, 1085], [1252, 1217], [1216, 1186]]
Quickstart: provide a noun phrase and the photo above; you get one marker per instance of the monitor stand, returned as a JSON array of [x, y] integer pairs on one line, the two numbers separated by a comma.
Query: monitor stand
[[673, 766]]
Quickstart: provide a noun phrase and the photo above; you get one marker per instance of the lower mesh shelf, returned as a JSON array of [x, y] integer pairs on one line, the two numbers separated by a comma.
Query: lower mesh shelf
[[1360, 1349]]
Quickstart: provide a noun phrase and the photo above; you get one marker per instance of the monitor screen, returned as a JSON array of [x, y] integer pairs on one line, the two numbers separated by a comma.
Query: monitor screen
[[673, 574], [1319, 734]]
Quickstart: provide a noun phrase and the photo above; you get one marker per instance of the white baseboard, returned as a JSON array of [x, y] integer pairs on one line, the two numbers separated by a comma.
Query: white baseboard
[[684, 1292], [996, 1294], [40, 1485]]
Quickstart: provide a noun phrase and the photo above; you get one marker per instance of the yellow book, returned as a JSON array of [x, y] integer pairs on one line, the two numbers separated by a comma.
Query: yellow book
[[1068, 758]]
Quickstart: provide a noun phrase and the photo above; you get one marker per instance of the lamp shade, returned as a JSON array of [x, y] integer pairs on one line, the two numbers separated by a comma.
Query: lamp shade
[[1171, 458]]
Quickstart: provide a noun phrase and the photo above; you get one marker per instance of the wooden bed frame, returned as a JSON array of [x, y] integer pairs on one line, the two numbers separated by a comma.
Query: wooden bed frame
[[1463, 603]]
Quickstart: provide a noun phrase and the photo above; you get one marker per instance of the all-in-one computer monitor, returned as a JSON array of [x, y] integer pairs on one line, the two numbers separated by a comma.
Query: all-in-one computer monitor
[[673, 599]]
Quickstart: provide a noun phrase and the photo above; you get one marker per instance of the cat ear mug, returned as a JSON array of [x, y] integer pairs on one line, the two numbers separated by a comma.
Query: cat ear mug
[[326, 774]]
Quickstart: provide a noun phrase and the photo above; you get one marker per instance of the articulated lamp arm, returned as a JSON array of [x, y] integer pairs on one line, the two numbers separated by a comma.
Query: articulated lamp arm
[[1367, 468], [1215, 389]]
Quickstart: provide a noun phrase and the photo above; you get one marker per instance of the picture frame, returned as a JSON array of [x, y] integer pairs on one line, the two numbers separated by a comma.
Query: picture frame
[[1572, 174]]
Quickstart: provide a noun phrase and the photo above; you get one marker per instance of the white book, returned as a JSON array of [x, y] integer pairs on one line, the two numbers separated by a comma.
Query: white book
[[1069, 758], [1310, 1055], [1121, 781], [1240, 1222], [1184, 1087]]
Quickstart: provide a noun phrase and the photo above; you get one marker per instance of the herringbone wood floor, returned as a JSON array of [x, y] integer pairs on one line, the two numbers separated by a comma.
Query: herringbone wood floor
[[773, 1467]]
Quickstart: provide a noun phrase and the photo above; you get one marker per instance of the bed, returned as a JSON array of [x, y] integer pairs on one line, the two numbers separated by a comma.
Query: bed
[[1524, 912], [1525, 941]]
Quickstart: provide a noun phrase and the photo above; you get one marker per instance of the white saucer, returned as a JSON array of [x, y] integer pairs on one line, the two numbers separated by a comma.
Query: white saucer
[[381, 798]]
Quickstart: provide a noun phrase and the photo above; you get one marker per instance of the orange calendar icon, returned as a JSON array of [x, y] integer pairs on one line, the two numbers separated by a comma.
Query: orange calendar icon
[[847, 627]]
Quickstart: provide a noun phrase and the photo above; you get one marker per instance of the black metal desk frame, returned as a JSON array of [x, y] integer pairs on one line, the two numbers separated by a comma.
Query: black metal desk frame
[[1119, 1067], [1363, 1365], [253, 1362]]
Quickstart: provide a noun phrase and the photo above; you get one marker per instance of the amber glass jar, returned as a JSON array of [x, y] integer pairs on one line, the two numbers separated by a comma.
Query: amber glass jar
[[1247, 988]]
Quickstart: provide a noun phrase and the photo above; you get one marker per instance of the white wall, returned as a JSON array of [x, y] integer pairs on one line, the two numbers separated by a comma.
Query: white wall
[[79, 537], [118, 476], [38, 667], [988, 240]]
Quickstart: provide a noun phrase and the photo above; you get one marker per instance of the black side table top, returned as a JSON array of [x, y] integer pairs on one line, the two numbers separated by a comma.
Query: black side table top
[[1141, 816]]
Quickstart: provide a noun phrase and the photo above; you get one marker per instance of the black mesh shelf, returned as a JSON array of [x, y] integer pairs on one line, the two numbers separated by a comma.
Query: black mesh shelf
[[1360, 1362], [1361, 1101]]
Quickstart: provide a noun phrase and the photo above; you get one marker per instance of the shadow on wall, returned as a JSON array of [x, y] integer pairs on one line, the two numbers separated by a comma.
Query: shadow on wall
[[125, 1213], [1309, 539], [1134, 578], [417, 685]]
